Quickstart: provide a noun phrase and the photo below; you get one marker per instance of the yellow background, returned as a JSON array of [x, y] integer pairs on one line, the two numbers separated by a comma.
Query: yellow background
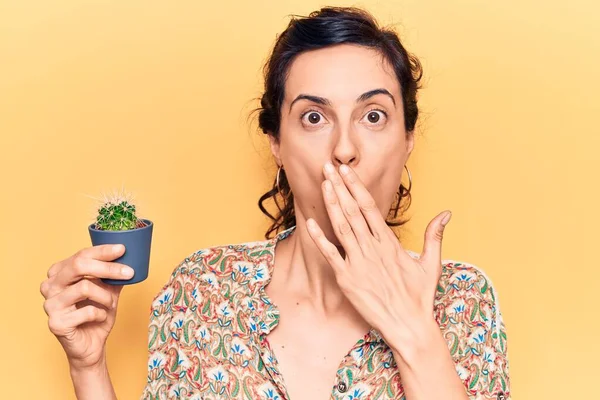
[[154, 95]]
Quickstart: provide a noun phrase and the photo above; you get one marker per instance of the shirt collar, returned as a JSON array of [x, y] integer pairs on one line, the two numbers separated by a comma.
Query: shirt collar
[[265, 315]]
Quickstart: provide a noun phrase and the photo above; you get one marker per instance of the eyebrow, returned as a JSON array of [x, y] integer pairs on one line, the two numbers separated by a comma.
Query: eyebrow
[[326, 102]]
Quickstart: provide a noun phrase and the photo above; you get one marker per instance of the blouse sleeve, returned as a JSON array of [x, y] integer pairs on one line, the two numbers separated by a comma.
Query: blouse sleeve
[[476, 333], [168, 365]]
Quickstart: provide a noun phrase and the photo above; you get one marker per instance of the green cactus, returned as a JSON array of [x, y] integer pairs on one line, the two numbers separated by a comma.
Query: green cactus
[[117, 214]]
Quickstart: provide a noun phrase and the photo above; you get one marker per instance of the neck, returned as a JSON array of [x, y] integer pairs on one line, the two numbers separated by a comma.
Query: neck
[[304, 274]]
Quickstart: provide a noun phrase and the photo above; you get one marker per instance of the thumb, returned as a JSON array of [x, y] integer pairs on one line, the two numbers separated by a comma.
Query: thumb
[[432, 248]]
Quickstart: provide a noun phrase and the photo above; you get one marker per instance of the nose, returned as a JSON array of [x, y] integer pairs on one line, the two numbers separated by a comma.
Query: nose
[[345, 150]]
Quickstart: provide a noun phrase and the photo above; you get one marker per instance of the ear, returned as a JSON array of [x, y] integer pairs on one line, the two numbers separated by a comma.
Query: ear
[[410, 143], [275, 149]]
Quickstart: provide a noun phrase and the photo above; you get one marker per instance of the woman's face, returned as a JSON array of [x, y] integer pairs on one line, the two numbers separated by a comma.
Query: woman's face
[[342, 104]]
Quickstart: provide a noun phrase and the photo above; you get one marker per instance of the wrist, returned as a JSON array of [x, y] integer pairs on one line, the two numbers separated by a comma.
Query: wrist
[[81, 370], [419, 342], [426, 365], [92, 382]]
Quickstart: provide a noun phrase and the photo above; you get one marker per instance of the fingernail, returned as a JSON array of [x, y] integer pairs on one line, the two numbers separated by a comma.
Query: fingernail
[[118, 247], [127, 272], [344, 169], [329, 167], [446, 218]]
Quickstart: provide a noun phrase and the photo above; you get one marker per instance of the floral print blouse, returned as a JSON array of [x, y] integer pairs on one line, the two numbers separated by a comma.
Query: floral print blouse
[[208, 330]]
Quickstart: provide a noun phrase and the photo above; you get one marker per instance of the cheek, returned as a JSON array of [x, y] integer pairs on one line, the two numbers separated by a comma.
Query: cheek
[[391, 159], [304, 160], [388, 175], [387, 181], [305, 178]]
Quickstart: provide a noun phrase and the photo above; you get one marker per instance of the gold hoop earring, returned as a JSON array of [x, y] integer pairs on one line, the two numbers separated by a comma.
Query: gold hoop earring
[[409, 179], [285, 198], [278, 171], [400, 192]]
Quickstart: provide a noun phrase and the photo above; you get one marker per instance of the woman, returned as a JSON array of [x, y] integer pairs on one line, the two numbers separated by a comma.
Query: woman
[[332, 306]]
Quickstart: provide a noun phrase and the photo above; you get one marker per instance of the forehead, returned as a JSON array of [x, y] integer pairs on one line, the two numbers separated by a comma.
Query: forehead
[[340, 73]]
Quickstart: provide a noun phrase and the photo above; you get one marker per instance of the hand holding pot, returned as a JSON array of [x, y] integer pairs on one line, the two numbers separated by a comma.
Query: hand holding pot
[[81, 308]]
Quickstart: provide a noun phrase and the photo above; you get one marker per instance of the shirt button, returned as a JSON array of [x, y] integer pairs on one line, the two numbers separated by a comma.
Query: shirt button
[[341, 387]]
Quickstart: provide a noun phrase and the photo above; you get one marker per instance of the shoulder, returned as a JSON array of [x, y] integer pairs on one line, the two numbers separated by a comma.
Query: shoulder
[[467, 280], [465, 292], [467, 307], [467, 310], [220, 269], [463, 279], [465, 287]]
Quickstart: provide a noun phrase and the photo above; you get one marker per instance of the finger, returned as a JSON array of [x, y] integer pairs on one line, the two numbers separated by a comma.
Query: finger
[[351, 209], [81, 267], [341, 226], [432, 248], [103, 252], [62, 323], [82, 290], [328, 249], [367, 205], [54, 268]]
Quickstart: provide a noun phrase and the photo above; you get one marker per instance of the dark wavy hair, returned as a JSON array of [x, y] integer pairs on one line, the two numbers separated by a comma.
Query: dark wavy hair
[[326, 27]]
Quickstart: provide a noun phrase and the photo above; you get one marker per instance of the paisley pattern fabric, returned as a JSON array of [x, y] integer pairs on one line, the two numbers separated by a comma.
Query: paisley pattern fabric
[[209, 325]]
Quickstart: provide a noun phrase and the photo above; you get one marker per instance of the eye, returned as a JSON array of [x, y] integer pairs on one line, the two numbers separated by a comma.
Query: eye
[[312, 117], [375, 116]]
